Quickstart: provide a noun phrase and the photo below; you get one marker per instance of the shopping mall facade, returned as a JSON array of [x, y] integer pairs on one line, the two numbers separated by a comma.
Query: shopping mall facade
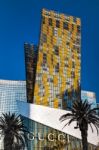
[[52, 84]]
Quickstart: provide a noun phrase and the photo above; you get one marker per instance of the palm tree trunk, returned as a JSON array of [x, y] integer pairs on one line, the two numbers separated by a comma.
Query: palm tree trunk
[[84, 139], [7, 143]]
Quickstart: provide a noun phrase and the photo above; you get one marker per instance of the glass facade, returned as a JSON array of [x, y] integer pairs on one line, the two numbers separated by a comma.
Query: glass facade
[[59, 58], [30, 64], [90, 97], [10, 92], [46, 138]]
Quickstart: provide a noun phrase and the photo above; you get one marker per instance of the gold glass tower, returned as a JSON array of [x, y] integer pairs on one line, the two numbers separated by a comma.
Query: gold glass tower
[[58, 64], [53, 74]]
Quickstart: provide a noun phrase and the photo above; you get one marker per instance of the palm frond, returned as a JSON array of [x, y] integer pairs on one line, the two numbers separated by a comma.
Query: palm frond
[[65, 116], [82, 112], [71, 120], [13, 128]]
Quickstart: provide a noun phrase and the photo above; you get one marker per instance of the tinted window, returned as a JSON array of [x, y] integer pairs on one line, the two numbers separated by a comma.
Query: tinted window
[[78, 28], [43, 20], [57, 23], [65, 25], [50, 21], [44, 38], [56, 50]]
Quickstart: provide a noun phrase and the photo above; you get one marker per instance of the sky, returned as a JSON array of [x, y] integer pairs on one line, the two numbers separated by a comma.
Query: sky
[[20, 23]]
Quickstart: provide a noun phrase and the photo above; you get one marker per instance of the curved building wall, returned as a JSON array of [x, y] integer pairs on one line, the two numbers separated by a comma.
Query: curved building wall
[[10, 92]]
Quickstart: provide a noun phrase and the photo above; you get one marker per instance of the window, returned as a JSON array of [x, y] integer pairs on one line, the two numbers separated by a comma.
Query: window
[[50, 21], [44, 61], [73, 64], [55, 32], [43, 20], [57, 68], [72, 26], [67, 82], [44, 38], [65, 25], [72, 74], [59, 41], [78, 50], [74, 19], [29, 76], [72, 56], [56, 50], [52, 59], [39, 82], [44, 68], [77, 41], [50, 80], [44, 55], [67, 18], [44, 58], [66, 65], [78, 57], [67, 43], [39, 75], [43, 65], [78, 29], [57, 23]]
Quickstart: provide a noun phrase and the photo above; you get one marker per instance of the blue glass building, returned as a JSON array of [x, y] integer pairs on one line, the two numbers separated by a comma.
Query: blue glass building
[[90, 97], [10, 92]]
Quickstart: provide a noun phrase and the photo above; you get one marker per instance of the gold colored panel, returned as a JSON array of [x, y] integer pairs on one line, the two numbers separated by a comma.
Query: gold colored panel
[[62, 16], [60, 70], [44, 78], [38, 100], [36, 87], [55, 103], [62, 89], [70, 26], [55, 80], [75, 28], [71, 19], [52, 14], [38, 68], [46, 88], [78, 21], [51, 70], [45, 101]]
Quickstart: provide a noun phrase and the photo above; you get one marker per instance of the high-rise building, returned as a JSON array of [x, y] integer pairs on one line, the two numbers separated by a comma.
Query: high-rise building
[[53, 72], [31, 52], [10, 92], [59, 58]]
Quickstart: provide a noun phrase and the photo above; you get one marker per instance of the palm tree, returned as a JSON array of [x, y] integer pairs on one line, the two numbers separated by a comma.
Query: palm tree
[[84, 115], [13, 131]]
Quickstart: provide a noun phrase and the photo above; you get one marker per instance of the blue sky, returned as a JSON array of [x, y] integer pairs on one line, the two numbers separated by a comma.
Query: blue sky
[[20, 22]]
